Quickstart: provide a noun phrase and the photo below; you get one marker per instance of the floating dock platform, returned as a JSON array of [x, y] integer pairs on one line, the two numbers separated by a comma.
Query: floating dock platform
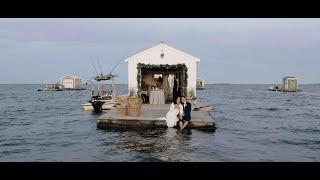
[[152, 116]]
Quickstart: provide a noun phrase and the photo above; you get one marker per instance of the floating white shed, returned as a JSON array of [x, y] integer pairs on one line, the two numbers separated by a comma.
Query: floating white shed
[[200, 83], [163, 59], [70, 82], [290, 84]]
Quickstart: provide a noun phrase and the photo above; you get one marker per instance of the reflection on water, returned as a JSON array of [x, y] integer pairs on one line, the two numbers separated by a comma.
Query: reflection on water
[[161, 144], [253, 124]]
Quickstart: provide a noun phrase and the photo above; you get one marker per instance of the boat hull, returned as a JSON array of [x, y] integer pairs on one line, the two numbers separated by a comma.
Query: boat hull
[[105, 106]]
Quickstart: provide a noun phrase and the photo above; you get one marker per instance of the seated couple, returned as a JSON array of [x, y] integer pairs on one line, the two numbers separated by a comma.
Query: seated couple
[[180, 111]]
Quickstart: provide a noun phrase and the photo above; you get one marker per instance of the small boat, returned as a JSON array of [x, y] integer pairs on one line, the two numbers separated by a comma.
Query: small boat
[[103, 100], [51, 87], [105, 106], [275, 88]]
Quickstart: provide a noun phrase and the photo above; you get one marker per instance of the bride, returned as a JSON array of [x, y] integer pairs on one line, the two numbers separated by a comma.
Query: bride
[[176, 110]]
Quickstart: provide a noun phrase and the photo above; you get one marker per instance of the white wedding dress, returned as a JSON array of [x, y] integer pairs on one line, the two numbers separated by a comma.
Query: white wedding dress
[[172, 115]]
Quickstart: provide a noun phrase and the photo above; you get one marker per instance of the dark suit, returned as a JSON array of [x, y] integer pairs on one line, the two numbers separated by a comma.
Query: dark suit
[[187, 112]]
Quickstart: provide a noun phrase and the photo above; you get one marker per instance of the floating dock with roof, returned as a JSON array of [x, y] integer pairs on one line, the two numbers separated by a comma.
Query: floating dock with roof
[[144, 69]]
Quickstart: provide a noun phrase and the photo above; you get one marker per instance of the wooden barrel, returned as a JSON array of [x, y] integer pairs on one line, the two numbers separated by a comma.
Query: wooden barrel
[[134, 102], [134, 112], [122, 111], [134, 106], [122, 101], [122, 108]]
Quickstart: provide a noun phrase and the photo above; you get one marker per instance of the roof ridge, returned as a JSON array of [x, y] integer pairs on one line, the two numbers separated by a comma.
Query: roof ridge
[[169, 46]]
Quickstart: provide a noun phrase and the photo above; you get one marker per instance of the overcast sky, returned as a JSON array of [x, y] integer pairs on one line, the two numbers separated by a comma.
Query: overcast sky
[[230, 50]]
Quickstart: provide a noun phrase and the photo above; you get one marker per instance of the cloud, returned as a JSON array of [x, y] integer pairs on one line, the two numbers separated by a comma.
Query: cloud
[[235, 45]]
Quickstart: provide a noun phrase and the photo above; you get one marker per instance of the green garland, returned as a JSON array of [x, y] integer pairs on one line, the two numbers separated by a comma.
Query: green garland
[[184, 82]]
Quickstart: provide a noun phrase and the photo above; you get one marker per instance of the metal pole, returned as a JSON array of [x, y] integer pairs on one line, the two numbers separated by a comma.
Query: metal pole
[[113, 90]]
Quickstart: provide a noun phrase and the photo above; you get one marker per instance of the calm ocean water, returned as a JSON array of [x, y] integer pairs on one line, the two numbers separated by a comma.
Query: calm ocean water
[[253, 124]]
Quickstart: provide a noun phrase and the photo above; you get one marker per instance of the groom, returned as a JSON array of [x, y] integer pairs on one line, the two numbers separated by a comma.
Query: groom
[[186, 117]]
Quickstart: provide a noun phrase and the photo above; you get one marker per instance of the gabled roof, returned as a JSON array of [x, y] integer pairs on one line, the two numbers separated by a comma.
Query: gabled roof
[[162, 44], [68, 77]]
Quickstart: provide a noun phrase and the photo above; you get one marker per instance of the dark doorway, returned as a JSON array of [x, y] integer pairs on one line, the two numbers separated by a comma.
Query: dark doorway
[[151, 74]]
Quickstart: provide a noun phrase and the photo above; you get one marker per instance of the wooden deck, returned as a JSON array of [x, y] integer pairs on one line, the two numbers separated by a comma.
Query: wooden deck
[[151, 116]]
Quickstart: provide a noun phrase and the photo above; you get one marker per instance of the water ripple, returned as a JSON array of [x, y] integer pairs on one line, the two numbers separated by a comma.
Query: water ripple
[[253, 124]]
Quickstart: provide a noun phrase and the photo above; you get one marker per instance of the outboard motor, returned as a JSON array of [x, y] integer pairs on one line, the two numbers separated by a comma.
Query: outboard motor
[[96, 104]]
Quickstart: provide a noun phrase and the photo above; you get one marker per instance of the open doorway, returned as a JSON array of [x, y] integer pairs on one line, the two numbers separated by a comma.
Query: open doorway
[[152, 76]]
